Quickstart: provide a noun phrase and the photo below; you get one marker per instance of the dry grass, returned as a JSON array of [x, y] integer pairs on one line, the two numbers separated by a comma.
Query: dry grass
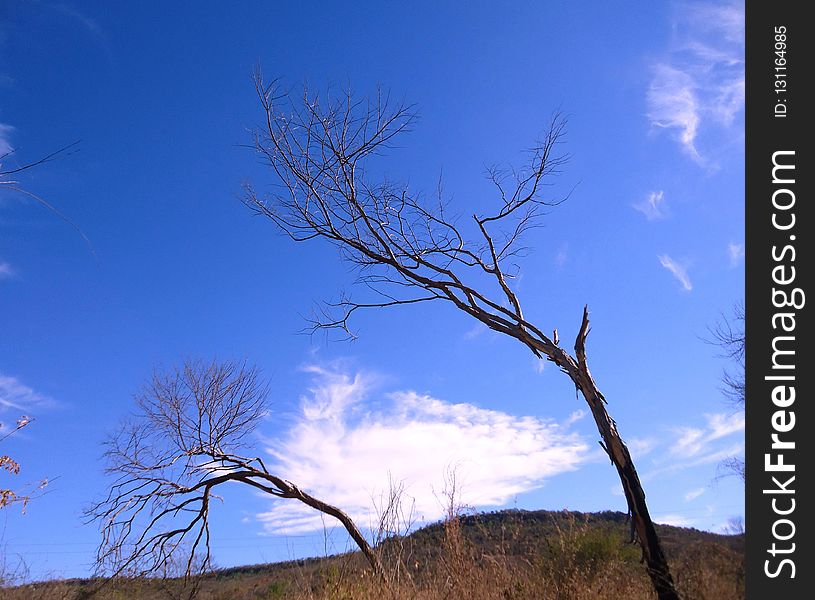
[[468, 561]]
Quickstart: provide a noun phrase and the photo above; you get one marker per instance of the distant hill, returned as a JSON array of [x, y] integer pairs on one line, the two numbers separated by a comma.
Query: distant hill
[[533, 526], [507, 555]]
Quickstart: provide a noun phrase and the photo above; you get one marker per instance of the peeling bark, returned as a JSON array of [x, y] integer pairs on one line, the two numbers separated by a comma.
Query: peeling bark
[[643, 530]]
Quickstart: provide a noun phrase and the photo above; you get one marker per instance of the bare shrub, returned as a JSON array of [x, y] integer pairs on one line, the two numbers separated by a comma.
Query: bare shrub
[[189, 437]]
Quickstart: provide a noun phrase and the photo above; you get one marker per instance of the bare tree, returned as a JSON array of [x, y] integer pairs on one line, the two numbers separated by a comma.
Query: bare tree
[[728, 335], [409, 250], [187, 440]]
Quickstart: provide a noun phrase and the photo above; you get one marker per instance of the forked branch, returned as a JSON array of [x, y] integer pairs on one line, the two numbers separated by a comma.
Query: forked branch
[[408, 250]]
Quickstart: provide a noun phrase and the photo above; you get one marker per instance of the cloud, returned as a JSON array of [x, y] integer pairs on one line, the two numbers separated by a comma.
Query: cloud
[[680, 272], [736, 253], [673, 104], [6, 272], [653, 206], [575, 416], [18, 397], [694, 446], [700, 80], [689, 442], [689, 447], [720, 425], [639, 447], [694, 441], [675, 520], [717, 456], [347, 442], [693, 494], [716, 23]]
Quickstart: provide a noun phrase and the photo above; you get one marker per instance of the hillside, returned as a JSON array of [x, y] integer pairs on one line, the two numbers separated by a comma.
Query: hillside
[[511, 554]]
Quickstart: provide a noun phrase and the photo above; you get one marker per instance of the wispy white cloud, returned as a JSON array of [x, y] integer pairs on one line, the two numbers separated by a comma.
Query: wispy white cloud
[[6, 271], [18, 397], [700, 518], [675, 520], [694, 441], [347, 442], [700, 81], [728, 101], [653, 206], [717, 456], [679, 271], [673, 104], [694, 494], [720, 425], [693, 446], [689, 447], [715, 23], [640, 447], [736, 253], [576, 416], [689, 442]]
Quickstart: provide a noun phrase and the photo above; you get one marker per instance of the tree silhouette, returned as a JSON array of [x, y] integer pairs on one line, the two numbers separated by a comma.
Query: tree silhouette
[[409, 250], [728, 335], [187, 440]]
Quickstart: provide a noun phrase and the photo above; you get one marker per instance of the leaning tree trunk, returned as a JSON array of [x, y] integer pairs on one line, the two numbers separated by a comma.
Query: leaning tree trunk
[[350, 527], [643, 530], [286, 489], [318, 153]]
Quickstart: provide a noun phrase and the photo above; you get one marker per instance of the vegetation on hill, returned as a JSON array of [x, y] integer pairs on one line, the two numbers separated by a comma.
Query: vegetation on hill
[[506, 555]]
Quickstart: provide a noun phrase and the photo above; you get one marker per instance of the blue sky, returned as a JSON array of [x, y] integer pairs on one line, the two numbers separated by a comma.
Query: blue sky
[[652, 239]]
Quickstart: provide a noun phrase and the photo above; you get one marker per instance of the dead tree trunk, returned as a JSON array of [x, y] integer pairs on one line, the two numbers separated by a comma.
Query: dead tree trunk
[[642, 530], [347, 522], [409, 250]]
